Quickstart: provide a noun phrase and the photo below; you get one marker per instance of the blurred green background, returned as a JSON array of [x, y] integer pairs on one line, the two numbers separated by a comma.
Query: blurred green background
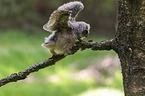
[[86, 73]]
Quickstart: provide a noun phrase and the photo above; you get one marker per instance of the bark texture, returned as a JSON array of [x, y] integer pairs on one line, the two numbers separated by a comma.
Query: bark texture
[[130, 45]]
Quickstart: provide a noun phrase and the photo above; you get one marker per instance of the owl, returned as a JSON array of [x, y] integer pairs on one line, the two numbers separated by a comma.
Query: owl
[[65, 29]]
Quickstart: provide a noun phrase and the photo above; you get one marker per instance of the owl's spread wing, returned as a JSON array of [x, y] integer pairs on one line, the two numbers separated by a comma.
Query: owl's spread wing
[[75, 7], [57, 21], [60, 17]]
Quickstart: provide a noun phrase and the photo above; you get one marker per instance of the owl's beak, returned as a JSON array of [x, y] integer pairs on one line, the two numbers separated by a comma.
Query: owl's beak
[[86, 35]]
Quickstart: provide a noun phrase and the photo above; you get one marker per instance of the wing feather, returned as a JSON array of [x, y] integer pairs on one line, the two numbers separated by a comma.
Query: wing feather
[[75, 7], [60, 17], [58, 20]]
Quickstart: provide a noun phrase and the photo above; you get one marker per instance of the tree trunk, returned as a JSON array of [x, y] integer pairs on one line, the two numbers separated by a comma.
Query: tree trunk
[[130, 45]]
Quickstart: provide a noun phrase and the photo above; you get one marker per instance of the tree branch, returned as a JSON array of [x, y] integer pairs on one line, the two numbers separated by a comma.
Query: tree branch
[[106, 45]]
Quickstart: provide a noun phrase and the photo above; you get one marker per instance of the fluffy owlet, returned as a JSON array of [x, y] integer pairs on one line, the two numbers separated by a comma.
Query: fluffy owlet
[[65, 29]]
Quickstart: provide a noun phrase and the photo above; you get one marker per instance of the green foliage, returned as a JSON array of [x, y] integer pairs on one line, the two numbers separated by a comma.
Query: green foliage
[[19, 50], [45, 89]]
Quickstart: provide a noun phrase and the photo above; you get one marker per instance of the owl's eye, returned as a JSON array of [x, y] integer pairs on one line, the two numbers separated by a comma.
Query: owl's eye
[[85, 33]]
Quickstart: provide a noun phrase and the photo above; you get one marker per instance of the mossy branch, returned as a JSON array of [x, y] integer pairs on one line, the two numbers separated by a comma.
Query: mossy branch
[[106, 45]]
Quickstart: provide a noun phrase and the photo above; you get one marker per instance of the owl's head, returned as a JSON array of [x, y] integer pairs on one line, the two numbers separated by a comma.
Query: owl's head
[[83, 29], [75, 7]]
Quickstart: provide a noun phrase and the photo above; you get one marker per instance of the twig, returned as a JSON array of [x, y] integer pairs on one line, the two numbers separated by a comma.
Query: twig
[[106, 45]]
